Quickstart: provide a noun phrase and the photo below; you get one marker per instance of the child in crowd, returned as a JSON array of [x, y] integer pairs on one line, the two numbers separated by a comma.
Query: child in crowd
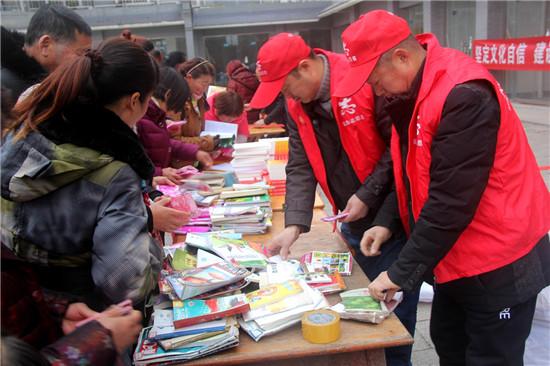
[[168, 101], [72, 175], [199, 74], [228, 106]]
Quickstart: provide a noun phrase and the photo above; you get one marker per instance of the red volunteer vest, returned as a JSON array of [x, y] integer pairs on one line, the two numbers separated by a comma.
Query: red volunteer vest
[[355, 118], [513, 213]]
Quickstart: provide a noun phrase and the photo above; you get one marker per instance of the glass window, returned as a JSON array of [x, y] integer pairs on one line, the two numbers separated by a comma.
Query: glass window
[[222, 49], [415, 18], [460, 25]]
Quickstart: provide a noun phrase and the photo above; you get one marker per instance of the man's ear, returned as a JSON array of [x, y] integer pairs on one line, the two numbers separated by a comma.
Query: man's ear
[[45, 44], [167, 94], [401, 57]]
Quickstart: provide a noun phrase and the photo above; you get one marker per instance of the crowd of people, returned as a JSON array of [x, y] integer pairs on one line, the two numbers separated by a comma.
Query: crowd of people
[[416, 143]]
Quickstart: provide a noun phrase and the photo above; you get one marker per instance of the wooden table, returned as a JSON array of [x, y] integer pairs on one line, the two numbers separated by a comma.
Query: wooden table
[[360, 343], [256, 133]]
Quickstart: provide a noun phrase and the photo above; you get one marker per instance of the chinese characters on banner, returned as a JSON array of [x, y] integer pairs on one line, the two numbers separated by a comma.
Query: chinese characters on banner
[[531, 53]]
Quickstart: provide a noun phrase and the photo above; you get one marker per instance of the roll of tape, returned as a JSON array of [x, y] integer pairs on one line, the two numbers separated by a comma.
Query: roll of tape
[[321, 326]]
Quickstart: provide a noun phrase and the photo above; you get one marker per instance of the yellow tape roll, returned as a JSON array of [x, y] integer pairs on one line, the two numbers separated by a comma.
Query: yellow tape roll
[[321, 326]]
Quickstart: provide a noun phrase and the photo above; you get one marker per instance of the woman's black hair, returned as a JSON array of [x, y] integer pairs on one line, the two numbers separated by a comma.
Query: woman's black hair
[[172, 81]]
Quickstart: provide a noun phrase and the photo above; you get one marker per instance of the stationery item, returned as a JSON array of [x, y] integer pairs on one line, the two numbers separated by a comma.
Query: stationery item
[[124, 306], [359, 305], [317, 261], [172, 124], [187, 171], [189, 312], [321, 326], [198, 281], [341, 215], [185, 203], [336, 284]]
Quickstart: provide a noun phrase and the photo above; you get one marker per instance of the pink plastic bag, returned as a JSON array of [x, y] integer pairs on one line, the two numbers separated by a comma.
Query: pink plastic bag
[[184, 203]]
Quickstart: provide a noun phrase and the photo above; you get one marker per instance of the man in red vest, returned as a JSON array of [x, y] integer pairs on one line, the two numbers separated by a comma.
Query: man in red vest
[[468, 191], [336, 143]]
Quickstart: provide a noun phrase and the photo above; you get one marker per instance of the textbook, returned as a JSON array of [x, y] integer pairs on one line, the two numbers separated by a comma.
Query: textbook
[[164, 328], [200, 280], [191, 311], [243, 193], [274, 322], [277, 298], [317, 261]]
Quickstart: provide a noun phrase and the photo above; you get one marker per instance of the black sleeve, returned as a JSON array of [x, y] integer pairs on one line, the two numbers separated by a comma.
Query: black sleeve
[[275, 112], [376, 186], [388, 214], [300, 182], [463, 152]]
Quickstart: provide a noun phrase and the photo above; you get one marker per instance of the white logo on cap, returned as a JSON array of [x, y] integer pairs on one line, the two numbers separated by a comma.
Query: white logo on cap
[[259, 69], [351, 58]]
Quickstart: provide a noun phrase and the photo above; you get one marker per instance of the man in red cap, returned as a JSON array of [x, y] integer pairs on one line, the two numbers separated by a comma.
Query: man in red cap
[[336, 143], [468, 191]]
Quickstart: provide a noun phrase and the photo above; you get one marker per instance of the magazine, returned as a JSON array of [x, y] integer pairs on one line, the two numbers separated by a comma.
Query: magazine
[[200, 280]]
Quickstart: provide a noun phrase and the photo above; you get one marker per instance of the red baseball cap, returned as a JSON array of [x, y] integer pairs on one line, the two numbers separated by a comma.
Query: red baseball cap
[[276, 59], [364, 42]]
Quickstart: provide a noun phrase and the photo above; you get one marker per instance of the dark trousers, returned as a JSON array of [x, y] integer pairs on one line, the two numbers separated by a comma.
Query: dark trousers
[[466, 331], [373, 266]]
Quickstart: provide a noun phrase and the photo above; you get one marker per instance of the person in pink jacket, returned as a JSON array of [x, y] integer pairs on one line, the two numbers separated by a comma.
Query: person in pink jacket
[[228, 106], [167, 102]]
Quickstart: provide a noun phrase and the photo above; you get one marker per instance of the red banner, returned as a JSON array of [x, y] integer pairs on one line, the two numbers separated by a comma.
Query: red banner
[[531, 53]]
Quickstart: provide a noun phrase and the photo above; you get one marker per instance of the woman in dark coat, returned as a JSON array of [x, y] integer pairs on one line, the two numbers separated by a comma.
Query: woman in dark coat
[[244, 82]]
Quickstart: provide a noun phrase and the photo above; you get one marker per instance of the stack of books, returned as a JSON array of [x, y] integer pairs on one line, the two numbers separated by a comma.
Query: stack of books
[[163, 343], [276, 165], [249, 161], [245, 209], [279, 306]]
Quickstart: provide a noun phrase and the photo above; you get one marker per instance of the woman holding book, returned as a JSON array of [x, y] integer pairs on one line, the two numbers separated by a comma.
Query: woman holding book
[[227, 106], [73, 170], [199, 74]]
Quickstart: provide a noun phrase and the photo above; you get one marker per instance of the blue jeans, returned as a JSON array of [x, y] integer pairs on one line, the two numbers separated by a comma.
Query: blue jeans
[[373, 266]]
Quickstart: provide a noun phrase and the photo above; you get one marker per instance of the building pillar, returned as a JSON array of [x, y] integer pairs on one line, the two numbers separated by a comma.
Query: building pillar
[[482, 16], [188, 26], [427, 16]]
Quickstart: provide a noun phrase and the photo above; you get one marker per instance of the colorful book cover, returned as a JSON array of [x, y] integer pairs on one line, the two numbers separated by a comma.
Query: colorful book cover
[[273, 293], [201, 280], [317, 261], [192, 311], [183, 260]]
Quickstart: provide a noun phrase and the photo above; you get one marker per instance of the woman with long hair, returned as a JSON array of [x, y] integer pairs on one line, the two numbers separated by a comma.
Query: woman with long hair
[[72, 177]]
